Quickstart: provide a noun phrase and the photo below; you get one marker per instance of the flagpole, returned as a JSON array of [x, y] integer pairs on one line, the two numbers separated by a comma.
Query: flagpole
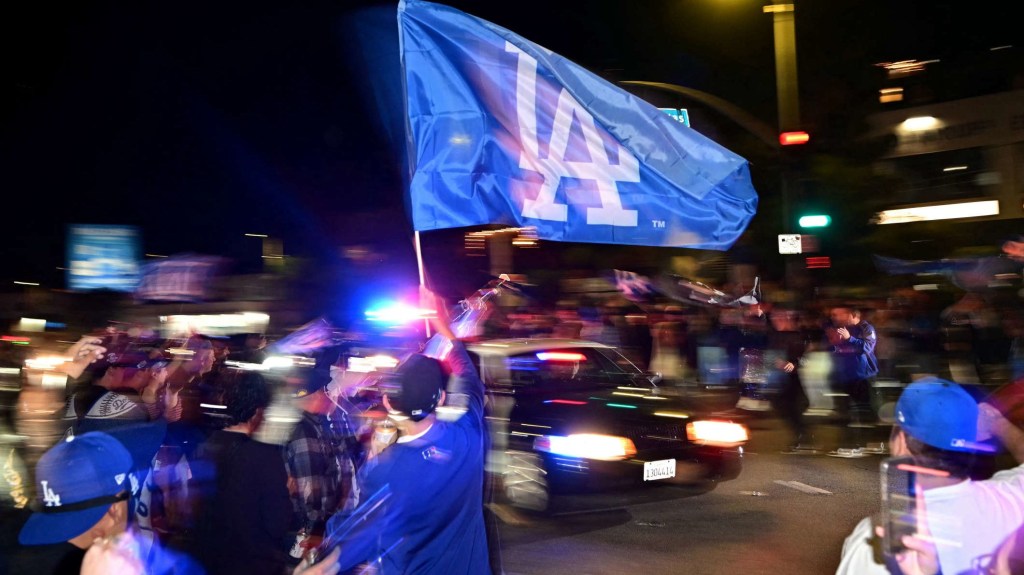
[[419, 266]]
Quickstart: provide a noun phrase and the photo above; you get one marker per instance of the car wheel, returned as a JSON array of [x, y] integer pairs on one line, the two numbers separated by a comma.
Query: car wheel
[[526, 481]]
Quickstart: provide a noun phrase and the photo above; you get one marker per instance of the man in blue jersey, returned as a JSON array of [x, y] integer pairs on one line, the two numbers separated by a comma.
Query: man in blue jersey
[[852, 341], [432, 519]]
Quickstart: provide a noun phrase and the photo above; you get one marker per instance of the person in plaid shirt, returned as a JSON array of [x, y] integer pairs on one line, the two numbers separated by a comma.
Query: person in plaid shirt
[[321, 458]]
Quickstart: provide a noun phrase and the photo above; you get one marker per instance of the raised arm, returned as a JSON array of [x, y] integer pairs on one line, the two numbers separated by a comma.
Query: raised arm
[[466, 381], [995, 423], [84, 352], [441, 321]]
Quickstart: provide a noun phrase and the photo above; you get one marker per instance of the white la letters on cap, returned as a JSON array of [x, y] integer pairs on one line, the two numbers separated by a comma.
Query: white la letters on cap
[[49, 497]]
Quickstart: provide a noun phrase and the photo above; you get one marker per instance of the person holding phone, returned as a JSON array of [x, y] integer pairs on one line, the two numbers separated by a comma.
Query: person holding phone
[[127, 384], [852, 340], [946, 433]]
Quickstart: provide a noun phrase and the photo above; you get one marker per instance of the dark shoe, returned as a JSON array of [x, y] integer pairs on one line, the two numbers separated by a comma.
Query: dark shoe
[[849, 453], [800, 449]]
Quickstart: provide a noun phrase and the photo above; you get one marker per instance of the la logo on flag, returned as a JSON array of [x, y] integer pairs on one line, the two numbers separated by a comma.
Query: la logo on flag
[[503, 131], [558, 164]]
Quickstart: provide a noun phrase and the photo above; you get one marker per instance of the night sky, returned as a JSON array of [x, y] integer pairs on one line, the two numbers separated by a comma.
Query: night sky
[[202, 121]]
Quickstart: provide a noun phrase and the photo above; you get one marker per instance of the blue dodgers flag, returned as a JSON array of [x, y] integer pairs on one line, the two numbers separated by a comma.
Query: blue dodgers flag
[[503, 131]]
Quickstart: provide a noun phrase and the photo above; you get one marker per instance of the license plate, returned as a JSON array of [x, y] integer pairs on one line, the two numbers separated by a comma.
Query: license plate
[[663, 469]]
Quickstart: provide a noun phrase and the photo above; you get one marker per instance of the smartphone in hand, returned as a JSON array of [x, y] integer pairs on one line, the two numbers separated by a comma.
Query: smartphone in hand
[[899, 502]]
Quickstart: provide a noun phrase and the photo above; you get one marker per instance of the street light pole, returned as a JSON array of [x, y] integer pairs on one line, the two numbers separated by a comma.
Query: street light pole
[[786, 87], [787, 94]]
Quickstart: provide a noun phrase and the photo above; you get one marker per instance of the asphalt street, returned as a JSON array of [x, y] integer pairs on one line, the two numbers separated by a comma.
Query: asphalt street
[[783, 514]]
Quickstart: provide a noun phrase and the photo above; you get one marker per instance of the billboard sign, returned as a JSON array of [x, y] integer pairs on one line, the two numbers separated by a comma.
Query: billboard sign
[[180, 278], [102, 257]]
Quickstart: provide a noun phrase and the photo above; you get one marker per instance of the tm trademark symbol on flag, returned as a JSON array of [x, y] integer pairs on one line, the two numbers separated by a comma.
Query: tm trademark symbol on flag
[[658, 223]]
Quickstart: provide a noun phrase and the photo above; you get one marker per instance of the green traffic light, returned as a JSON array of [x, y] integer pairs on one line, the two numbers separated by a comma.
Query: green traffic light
[[815, 221]]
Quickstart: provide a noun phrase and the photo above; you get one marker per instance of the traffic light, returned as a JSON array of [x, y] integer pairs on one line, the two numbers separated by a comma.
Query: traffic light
[[814, 221], [794, 138], [818, 262]]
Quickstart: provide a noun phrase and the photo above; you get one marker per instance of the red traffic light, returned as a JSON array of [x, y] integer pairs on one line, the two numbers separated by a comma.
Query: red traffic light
[[819, 263], [793, 138]]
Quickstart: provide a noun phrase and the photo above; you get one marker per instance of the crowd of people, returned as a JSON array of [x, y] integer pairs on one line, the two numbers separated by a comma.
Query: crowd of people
[[762, 350], [157, 466], [955, 427], [157, 462]]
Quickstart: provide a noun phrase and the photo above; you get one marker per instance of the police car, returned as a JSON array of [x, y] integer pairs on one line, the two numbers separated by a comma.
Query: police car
[[571, 415]]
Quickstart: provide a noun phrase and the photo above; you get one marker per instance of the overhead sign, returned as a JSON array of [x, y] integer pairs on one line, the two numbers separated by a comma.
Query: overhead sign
[[790, 244], [941, 212], [678, 114], [102, 257]]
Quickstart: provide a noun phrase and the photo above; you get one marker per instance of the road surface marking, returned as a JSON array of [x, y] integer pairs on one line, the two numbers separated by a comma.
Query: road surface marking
[[803, 487]]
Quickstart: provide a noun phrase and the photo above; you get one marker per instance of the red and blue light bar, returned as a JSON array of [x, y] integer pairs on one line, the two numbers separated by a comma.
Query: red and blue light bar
[[398, 313], [560, 356]]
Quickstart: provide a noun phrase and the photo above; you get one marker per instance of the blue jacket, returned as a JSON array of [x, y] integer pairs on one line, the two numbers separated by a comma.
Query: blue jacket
[[433, 522], [854, 359]]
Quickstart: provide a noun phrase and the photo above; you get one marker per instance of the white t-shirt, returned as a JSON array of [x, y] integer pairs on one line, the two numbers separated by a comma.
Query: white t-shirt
[[859, 556], [970, 519]]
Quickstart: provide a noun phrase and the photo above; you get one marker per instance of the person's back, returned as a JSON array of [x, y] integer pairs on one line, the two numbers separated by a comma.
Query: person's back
[[972, 516], [433, 521], [242, 510], [95, 408], [244, 507], [432, 478]]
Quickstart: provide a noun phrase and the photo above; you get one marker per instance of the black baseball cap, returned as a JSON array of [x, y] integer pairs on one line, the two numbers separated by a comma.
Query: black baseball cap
[[311, 380], [420, 381]]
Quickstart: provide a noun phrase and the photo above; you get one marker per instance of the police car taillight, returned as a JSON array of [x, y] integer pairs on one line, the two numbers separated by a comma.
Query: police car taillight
[[716, 433]]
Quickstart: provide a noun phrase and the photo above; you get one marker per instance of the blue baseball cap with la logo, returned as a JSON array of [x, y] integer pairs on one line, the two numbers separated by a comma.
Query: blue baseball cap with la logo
[[77, 481]]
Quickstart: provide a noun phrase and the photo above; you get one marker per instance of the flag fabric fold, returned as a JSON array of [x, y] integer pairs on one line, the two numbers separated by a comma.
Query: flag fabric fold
[[644, 290], [969, 273], [503, 131], [308, 338]]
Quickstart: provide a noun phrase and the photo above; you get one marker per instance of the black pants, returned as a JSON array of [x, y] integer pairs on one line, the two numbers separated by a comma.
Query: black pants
[[790, 403], [860, 409], [860, 415]]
